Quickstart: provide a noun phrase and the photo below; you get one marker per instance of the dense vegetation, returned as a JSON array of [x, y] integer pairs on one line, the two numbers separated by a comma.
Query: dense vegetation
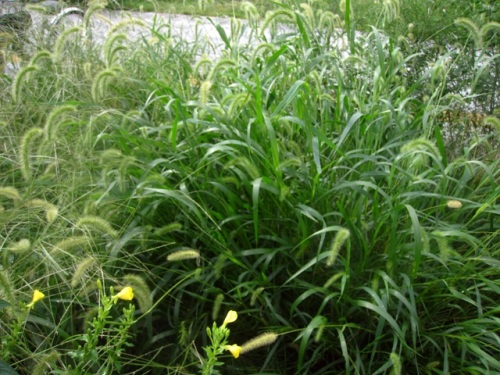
[[338, 189]]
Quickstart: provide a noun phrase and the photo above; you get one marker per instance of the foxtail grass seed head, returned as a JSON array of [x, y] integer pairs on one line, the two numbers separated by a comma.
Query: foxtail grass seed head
[[81, 271], [319, 333], [473, 29], [217, 304], [46, 361], [127, 23], [70, 243], [234, 349], [142, 292], [259, 341], [10, 192], [22, 246], [205, 91], [61, 41], [339, 240], [454, 204], [18, 81], [44, 54], [6, 288], [333, 279], [396, 364], [51, 211], [28, 138], [97, 223], [37, 296], [256, 295], [51, 214], [183, 255], [55, 118], [494, 122], [126, 294], [169, 228]]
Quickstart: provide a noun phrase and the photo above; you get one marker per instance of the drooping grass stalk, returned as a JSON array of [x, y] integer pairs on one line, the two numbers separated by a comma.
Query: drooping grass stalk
[[94, 7], [43, 54], [205, 91], [110, 50], [272, 18], [221, 64], [69, 244], [101, 80], [51, 210], [97, 223], [61, 41], [142, 292], [183, 255], [126, 23], [340, 238], [19, 80], [25, 151], [11, 193], [217, 305], [199, 66], [22, 246], [52, 123], [46, 362], [473, 29], [7, 287], [83, 268]]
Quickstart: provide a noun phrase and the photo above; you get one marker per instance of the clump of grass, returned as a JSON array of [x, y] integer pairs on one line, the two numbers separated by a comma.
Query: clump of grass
[[207, 182]]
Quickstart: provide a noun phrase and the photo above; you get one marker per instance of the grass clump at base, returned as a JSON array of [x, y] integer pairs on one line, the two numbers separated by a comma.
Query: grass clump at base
[[306, 182]]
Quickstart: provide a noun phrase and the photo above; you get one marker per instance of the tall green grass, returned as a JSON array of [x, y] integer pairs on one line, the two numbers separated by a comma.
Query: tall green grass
[[308, 167]]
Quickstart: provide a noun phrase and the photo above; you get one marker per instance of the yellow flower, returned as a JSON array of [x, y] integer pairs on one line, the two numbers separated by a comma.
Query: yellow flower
[[126, 294], [37, 296], [234, 349], [230, 317]]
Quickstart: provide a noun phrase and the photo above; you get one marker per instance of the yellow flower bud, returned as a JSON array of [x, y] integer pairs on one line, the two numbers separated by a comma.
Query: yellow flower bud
[[230, 317], [234, 349], [126, 294], [37, 296]]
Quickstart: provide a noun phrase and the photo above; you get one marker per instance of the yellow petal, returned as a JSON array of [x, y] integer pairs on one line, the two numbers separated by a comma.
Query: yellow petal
[[230, 317], [37, 296], [234, 349], [126, 294]]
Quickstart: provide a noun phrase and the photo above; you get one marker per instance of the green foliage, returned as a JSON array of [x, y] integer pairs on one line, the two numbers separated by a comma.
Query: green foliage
[[337, 188]]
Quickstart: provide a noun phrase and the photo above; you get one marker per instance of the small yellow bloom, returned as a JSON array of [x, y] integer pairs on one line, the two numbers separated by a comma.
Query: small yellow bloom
[[126, 294], [230, 317], [37, 296], [234, 349]]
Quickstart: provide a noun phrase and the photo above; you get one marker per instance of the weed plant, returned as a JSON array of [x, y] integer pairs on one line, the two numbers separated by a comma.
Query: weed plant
[[301, 176]]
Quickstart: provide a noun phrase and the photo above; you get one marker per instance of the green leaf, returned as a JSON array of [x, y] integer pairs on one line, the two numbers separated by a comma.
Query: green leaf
[[5, 369], [4, 304], [317, 322]]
